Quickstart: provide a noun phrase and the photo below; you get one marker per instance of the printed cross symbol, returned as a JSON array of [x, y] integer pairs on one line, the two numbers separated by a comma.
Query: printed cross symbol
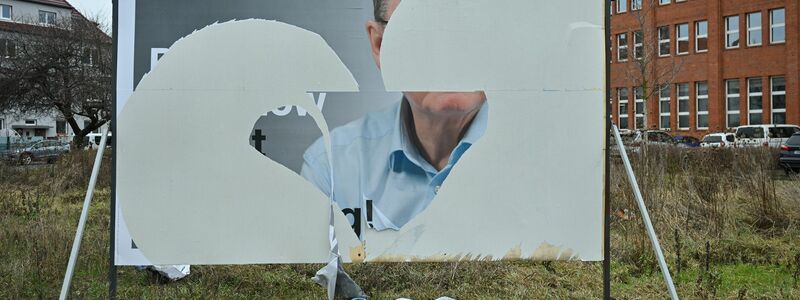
[[258, 138]]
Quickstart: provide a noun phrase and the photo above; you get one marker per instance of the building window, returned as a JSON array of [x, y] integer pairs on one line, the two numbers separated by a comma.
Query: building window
[[47, 17], [683, 105], [8, 48], [638, 46], [732, 102], [701, 89], [732, 32], [701, 36], [30, 122], [754, 101], [636, 4], [89, 56], [664, 107], [622, 97], [61, 127], [777, 26], [622, 6], [664, 2], [638, 97], [2, 124], [6, 12], [622, 47], [663, 41], [680, 1], [682, 34], [778, 94], [754, 29]]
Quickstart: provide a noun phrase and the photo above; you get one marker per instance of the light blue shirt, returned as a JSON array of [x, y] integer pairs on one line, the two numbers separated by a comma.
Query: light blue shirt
[[375, 161]]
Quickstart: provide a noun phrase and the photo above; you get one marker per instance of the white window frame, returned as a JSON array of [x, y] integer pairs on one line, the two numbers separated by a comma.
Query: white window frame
[[662, 41], [5, 46], [637, 98], [639, 45], [10, 12], [622, 6], [697, 99], [698, 36], [754, 28], [729, 32], [772, 94], [755, 94], [622, 46], [678, 105], [661, 100], [773, 25], [728, 96], [620, 114], [680, 1], [679, 38], [636, 5], [47, 20]]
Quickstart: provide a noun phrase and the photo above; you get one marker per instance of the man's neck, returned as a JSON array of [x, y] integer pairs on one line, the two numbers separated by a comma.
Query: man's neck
[[436, 136]]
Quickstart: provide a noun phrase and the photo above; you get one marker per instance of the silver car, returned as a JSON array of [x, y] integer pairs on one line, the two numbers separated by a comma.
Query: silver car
[[48, 151]]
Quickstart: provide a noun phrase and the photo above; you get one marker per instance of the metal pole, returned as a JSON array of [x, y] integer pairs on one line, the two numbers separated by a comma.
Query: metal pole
[[645, 216], [607, 194], [76, 244]]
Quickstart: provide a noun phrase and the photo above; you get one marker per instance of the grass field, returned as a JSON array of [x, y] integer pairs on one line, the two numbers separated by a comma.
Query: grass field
[[727, 220]]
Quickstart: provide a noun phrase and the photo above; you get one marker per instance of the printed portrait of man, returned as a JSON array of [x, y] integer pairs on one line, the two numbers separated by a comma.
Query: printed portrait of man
[[390, 164]]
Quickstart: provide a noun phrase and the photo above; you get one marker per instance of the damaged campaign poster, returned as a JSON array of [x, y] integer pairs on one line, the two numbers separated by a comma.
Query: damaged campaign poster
[[436, 130]]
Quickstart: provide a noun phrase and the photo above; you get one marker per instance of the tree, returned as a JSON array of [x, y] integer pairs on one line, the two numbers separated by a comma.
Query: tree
[[655, 63], [64, 67]]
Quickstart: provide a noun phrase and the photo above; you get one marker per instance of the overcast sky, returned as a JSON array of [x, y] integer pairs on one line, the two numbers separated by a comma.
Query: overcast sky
[[95, 9]]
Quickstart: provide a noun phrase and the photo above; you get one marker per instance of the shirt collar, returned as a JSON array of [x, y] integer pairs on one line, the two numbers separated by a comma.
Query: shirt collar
[[402, 148]]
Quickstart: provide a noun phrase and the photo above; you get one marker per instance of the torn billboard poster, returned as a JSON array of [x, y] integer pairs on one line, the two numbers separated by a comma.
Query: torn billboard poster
[[249, 121]]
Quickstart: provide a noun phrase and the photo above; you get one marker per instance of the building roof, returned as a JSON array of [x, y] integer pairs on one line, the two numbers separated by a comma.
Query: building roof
[[59, 3], [11, 26]]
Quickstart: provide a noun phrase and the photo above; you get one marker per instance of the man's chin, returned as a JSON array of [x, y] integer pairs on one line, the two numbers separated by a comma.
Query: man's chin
[[457, 101]]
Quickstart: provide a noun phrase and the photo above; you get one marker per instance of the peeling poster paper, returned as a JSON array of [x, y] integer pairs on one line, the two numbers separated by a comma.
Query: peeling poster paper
[[216, 184], [532, 187]]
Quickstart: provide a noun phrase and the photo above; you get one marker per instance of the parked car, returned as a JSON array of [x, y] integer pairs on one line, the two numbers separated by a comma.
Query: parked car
[[790, 154], [47, 150], [685, 141], [93, 140], [633, 140], [718, 140], [654, 137], [764, 135]]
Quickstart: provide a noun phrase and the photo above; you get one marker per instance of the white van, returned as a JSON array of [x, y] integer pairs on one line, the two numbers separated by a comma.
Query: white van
[[93, 140], [764, 135]]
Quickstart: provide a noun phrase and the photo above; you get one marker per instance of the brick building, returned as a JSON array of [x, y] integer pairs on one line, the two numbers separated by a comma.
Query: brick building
[[735, 63]]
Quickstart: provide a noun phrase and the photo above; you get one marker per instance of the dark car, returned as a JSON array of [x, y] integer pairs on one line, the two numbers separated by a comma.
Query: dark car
[[790, 154], [48, 151], [685, 141]]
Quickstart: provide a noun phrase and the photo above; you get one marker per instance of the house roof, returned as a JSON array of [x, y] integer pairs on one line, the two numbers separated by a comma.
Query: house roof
[[32, 28], [59, 3]]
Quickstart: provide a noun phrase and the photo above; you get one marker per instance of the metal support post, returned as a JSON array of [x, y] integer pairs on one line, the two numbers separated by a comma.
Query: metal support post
[[76, 244], [645, 216]]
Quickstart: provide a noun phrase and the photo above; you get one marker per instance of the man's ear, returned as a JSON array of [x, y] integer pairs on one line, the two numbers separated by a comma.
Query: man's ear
[[375, 32]]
